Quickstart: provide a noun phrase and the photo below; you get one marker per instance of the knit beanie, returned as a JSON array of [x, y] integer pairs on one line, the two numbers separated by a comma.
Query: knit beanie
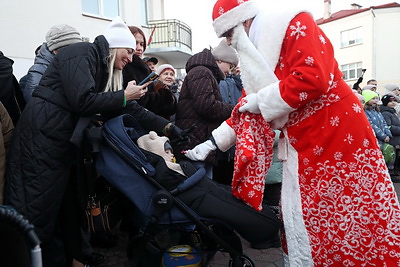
[[229, 13], [225, 53], [369, 87], [368, 95], [118, 35], [164, 67], [387, 98], [391, 86], [62, 35]]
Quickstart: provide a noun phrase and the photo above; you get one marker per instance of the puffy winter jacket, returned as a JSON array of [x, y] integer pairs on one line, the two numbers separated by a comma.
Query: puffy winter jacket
[[200, 102]]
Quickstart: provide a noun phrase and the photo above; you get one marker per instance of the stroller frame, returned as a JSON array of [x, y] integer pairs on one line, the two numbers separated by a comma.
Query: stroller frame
[[163, 202]]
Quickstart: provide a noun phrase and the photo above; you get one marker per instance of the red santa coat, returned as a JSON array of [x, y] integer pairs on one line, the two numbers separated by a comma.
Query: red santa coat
[[338, 203]]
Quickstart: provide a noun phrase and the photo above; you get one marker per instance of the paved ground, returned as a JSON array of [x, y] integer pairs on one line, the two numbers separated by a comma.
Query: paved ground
[[116, 257]]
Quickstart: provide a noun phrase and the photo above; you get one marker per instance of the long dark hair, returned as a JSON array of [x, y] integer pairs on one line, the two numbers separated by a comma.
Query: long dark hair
[[134, 30]]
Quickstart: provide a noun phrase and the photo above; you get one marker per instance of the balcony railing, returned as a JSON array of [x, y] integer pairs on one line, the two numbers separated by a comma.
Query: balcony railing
[[170, 33]]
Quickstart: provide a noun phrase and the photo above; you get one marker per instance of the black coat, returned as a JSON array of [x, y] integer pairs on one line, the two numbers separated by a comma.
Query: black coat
[[10, 93], [393, 122], [200, 102], [159, 97], [41, 155]]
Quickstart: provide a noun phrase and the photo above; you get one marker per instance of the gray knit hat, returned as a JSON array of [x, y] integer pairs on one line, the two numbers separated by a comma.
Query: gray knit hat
[[225, 53], [391, 86], [62, 35]]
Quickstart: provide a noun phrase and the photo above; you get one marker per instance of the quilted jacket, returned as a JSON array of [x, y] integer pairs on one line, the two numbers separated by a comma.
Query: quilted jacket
[[41, 155]]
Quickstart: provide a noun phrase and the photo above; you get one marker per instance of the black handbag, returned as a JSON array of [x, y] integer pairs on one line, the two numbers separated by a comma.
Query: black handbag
[[103, 211], [103, 208]]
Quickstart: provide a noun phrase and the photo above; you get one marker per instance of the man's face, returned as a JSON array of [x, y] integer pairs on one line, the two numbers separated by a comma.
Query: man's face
[[228, 35]]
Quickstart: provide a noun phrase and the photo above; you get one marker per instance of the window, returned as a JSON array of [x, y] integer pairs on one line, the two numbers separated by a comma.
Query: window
[[351, 37], [102, 8], [351, 71]]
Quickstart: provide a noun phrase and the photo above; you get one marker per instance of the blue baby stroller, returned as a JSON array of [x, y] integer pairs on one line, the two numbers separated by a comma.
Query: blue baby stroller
[[164, 220]]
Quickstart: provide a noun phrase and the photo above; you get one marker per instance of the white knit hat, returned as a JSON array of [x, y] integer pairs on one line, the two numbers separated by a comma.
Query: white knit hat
[[62, 35], [229, 13], [118, 35], [154, 143], [163, 67], [225, 53]]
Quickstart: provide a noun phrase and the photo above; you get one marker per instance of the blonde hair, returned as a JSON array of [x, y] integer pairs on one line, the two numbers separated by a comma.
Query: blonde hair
[[114, 82]]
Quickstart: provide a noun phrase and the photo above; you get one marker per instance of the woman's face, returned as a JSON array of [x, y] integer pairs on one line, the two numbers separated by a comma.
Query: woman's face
[[123, 57], [139, 45], [392, 104], [167, 77]]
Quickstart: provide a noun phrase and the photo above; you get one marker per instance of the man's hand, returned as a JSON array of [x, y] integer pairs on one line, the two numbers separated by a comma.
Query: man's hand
[[201, 151], [251, 105]]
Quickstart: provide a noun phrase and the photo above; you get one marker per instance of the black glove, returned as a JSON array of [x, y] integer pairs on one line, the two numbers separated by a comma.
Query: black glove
[[172, 131], [177, 135]]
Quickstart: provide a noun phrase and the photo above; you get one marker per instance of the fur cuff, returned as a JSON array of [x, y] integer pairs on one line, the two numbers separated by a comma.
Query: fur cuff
[[271, 104], [224, 136]]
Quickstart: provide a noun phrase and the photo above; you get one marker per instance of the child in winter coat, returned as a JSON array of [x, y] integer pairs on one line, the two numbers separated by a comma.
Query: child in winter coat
[[375, 118], [378, 123], [208, 198]]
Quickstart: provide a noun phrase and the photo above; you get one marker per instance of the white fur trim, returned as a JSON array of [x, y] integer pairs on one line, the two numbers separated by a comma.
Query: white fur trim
[[273, 25], [224, 136], [255, 72], [271, 104], [298, 243], [233, 17]]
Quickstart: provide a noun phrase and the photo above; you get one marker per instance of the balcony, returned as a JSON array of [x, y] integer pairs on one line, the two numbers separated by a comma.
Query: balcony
[[171, 41]]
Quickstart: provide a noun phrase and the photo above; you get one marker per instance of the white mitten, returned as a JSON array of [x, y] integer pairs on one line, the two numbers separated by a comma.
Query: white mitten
[[251, 105], [201, 151]]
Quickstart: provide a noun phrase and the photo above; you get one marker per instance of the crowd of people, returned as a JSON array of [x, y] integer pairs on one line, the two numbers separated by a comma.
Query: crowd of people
[[309, 161]]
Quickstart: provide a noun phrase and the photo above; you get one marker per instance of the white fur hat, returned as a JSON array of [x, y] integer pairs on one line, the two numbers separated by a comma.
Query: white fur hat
[[225, 53], [118, 35], [229, 13]]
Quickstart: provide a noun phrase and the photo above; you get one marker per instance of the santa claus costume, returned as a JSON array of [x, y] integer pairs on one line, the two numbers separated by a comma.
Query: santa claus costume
[[338, 203]]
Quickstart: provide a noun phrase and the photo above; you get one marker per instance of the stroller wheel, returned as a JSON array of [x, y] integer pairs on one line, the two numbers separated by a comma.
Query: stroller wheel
[[243, 261]]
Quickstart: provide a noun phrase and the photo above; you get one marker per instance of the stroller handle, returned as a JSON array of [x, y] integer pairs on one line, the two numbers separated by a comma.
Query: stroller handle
[[190, 181]]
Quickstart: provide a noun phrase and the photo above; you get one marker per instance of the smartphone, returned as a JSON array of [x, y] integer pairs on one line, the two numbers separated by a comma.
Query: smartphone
[[151, 77]]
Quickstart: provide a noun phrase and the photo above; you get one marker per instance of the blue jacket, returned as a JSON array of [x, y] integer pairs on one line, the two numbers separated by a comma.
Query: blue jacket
[[29, 82], [231, 89], [379, 125]]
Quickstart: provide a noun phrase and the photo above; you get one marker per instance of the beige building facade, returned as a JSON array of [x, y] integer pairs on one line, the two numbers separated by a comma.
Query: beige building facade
[[366, 38], [24, 24]]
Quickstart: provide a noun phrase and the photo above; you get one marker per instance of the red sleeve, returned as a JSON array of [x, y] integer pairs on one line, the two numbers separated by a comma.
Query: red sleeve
[[307, 67]]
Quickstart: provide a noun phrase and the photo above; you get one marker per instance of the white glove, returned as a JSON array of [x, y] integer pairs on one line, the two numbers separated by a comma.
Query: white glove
[[251, 105], [201, 151]]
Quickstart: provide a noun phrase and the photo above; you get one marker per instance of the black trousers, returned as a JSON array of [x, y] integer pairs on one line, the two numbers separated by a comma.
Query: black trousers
[[216, 202]]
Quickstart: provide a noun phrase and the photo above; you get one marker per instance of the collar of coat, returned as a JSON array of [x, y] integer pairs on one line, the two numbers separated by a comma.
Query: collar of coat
[[271, 26]]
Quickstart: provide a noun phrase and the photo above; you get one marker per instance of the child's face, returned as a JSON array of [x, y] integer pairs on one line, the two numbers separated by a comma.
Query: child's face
[[170, 154], [373, 101]]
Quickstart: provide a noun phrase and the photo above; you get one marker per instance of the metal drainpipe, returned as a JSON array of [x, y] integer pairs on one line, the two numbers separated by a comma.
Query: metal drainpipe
[[373, 46]]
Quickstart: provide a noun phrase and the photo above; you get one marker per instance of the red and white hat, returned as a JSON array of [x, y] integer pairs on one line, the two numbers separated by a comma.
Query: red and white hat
[[229, 13]]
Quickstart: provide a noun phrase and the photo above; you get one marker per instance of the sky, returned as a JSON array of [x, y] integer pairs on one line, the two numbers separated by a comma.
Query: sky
[[197, 15]]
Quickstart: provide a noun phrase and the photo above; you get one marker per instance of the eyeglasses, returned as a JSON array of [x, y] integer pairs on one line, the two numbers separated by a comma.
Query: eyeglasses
[[232, 67]]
